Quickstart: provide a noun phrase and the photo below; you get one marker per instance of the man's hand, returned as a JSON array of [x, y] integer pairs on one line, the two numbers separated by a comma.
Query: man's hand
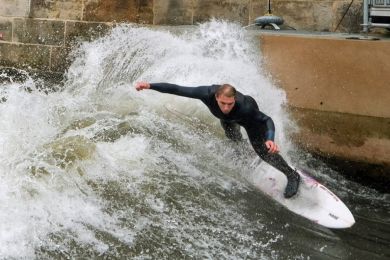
[[142, 85], [272, 147]]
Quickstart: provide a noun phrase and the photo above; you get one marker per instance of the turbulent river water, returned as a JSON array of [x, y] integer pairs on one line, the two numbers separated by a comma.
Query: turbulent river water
[[99, 170]]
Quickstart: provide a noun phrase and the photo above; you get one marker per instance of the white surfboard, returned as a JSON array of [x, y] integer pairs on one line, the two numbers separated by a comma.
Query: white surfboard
[[313, 200]]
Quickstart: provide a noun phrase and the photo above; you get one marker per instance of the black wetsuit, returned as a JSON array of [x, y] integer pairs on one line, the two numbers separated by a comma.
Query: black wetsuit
[[245, 113]]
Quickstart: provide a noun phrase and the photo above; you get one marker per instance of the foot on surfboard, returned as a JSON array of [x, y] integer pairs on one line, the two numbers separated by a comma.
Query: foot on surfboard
[[292, 185]]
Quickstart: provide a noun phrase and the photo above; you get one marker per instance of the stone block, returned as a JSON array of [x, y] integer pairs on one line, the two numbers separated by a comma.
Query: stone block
[[305, 14], [173, 12], [19, 8], [84, 31], [24, 56], [137, 11], [297, 14], [59, 59], [323, 16], [57, 9], [257, 8], [6, 29], [352, 19], [234, 10], [46, 32]]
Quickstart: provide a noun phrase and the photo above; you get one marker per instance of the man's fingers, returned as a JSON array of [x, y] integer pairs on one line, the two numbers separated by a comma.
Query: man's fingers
[[139, 86], [275, 148], [272, 147], [142, 85]]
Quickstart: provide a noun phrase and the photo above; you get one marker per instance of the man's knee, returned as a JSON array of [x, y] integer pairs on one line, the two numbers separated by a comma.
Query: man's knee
[[234, 135], [232, 131]]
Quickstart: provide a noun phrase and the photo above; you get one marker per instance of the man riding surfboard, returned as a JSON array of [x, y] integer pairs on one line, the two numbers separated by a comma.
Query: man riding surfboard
[[234, 110]]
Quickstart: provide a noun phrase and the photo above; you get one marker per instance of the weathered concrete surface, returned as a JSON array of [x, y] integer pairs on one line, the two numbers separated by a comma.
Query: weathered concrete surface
[[339, 75], [59, 60], [353, 16], [6, 29], [339, 92], [137, 11], [174, 12], [233, 10], [46, 32], [300, 14], [19, 8], [66, 10], [24, 56], [358, 138], [84, 31]]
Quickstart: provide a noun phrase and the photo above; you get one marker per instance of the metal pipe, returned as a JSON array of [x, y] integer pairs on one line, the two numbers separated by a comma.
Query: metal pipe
[[365, 16], [269, 7]]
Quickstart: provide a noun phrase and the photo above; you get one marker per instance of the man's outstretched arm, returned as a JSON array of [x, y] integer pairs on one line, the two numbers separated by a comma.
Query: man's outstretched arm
[[191, 92]]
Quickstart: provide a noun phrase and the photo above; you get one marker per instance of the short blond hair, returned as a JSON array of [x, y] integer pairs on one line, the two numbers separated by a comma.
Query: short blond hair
[[226, 90]]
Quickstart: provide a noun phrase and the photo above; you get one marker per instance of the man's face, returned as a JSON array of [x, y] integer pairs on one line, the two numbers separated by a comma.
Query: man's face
[[225, 103]]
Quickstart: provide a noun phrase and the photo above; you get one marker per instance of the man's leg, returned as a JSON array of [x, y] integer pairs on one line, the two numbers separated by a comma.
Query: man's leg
[[232, 130], [276, 160]]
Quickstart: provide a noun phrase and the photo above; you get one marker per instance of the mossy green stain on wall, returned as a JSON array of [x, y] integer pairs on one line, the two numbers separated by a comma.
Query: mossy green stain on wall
[[344, 129]]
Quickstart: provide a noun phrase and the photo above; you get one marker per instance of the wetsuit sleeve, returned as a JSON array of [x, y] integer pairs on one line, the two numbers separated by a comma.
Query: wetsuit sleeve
[[260, 118], [190, 92], [269, 123]]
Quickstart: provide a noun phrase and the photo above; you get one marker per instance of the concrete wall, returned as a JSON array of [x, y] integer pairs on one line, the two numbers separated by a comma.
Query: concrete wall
[[38, 34], [40, 44], [338, 90], [301, 14]]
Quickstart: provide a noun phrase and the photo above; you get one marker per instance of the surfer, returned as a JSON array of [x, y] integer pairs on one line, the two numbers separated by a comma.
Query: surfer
[[234, 110]]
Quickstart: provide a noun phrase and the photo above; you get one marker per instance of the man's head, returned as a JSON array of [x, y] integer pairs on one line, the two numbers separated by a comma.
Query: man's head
[[226, 98]]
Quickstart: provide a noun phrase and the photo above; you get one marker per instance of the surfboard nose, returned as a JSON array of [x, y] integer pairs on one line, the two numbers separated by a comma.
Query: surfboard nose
[[339, 217]]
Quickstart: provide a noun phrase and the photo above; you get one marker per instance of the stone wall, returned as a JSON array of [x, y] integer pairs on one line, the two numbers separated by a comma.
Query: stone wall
[[38, 34], [301, 14], [41, 44]]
